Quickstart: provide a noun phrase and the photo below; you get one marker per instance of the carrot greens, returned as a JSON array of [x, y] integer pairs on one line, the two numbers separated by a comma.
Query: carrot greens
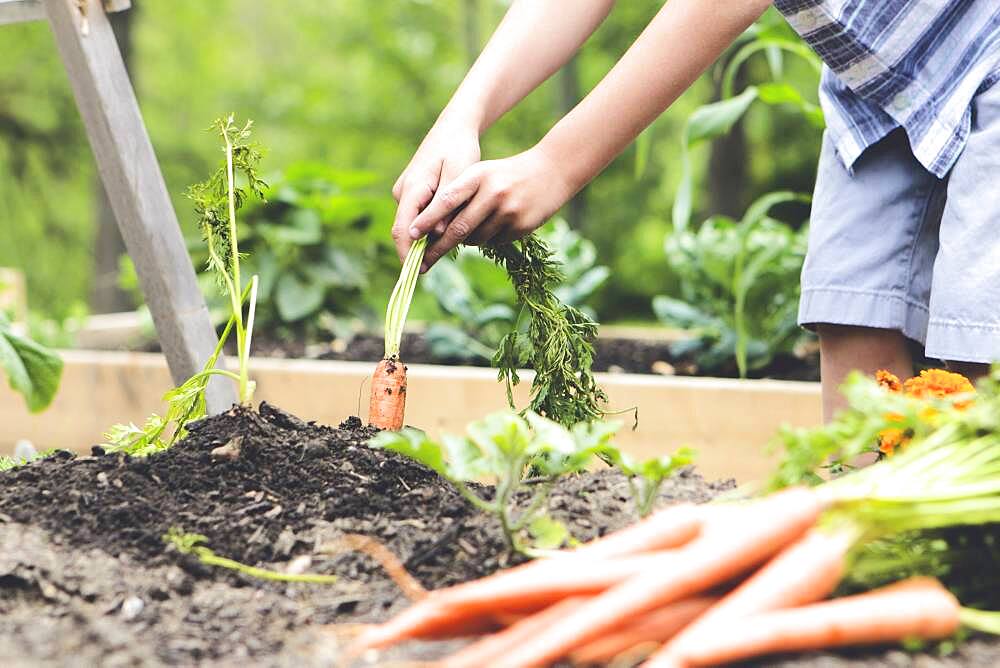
[[216, 202]]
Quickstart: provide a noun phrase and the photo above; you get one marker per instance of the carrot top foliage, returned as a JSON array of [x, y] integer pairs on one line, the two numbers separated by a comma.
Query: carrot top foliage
[[557, 341]]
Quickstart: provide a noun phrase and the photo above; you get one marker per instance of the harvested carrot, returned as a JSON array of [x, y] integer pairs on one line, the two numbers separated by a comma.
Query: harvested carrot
[[488, 650], [388, 400], [729, 545], [805, 572], [915, 608], [657, 626], [664, 529], [524, 589]]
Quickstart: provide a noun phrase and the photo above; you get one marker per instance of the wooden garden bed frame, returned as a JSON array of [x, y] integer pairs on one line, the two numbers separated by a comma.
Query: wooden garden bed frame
[[728, 421]]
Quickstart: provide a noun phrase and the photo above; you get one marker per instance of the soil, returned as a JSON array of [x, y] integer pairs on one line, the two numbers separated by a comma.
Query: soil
[[618, 355], [87, 580]]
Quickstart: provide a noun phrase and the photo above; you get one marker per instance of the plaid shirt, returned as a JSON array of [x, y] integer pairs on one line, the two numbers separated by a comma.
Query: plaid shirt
[[915, 64]]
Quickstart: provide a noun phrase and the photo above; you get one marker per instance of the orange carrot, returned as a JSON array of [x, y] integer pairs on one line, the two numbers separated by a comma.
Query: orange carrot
[[657, 626], [737, 540], [667, 528], [488, 650], [915, 608], [388, 400], [519, 590], [805, 572]]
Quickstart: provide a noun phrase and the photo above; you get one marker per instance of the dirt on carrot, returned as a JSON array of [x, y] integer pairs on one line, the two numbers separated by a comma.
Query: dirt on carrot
[[388, 398]]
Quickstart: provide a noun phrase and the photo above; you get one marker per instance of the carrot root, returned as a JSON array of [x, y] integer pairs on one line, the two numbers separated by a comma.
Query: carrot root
[[486, 651], [655, 627], [734, 542], [915, 608], [388, 399]]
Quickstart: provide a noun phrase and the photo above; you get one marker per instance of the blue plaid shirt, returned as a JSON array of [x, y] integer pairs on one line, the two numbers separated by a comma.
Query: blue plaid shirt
[[915, 64]]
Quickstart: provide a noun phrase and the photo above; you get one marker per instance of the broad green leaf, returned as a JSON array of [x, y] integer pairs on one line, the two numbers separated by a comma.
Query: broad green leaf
[[502, 436], [416, 445], [32, 370], [296, 298], [707, 122], [465, 460], [548, 534], [677, 313]]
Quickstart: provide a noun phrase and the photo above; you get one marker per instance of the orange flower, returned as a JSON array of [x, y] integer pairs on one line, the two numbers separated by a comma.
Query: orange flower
[[890, 439], [888, 380], [937, 383]]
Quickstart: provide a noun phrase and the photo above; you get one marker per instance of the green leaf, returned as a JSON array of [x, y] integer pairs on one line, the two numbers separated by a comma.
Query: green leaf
[[32, 370], [416, 445], [676, 313], [548, 534], [707, 122], [295, 298]]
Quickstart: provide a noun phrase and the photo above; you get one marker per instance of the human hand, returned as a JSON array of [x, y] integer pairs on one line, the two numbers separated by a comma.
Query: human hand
[[492, 201], [446, 151]]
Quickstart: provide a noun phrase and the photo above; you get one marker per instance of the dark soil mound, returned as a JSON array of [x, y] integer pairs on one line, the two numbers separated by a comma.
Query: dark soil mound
[[86, 579]]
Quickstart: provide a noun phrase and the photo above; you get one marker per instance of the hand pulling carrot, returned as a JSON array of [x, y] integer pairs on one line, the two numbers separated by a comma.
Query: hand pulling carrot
[[388, 398], [657, 626], [915, 608], [729, 545]]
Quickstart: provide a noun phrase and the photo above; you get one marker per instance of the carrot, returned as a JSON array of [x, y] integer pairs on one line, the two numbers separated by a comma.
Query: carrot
[[805, 572], [664, 529], [737, 540], [388, 400], [656, 626], [488, 650], [518, 590], [915, 608]]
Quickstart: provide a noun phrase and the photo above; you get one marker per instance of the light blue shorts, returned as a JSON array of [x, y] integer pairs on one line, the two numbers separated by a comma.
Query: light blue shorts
[[891, 246]]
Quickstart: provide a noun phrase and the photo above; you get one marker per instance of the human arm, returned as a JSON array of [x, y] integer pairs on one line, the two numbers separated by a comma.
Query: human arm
[[534, 39], [501, 200]]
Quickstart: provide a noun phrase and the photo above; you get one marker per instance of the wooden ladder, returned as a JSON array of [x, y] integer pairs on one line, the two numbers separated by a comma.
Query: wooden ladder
[[132, 180]]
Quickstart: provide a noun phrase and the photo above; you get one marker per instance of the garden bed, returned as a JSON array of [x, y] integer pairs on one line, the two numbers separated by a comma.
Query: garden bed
[[86, 579], [728, 421]]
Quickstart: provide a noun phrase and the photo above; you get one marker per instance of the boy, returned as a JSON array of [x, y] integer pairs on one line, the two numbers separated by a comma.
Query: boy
[[905, 233]]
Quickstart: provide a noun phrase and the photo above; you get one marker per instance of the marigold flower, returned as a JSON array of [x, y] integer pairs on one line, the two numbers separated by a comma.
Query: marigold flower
[[890, 439], [936, 383], [888, 380]]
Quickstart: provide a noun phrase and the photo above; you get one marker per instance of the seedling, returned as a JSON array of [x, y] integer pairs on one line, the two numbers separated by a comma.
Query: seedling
[[646, 477], [191, 543], [502, 448], [216, 202]]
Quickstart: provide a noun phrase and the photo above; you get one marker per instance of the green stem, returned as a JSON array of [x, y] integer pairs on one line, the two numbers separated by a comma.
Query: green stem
[[984, 621], [208, 557], [402, 296], [541, 496], [233, 283]]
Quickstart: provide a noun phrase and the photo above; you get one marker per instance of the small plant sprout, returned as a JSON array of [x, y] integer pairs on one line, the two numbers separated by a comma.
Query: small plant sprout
[[646, 477], [191, 543], [216, 202], [503, 447]]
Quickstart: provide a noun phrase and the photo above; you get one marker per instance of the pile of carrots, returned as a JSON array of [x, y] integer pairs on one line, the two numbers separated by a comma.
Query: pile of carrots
[[688, 586]]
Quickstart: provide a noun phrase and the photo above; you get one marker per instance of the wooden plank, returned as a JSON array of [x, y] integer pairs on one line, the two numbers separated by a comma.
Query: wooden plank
[[728, 421], [22, 11], [135, 188]]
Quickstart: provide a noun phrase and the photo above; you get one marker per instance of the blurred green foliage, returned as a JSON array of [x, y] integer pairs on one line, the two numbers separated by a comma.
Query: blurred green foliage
[[352, 86]]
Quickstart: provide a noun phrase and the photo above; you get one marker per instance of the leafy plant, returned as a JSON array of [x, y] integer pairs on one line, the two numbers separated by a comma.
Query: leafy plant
[[33, 371], [646, 477], [739, 285], [557, 342], [216, 202], [317, 242], [7, 463], [479, 305], [503, 447], [718, 118], [191, 543]]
